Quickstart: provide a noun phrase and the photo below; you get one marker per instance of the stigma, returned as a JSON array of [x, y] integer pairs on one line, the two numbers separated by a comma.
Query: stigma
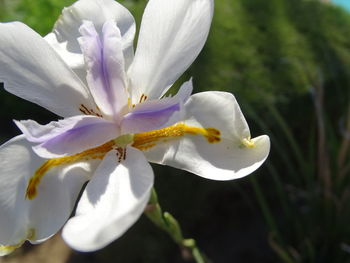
[[248, 143]]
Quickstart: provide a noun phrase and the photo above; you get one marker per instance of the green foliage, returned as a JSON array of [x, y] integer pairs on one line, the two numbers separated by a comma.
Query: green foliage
[[270, 49]]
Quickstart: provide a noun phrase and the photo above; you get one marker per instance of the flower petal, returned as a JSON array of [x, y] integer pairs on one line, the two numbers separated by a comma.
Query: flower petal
[[97, 11], [112, 201], [37, 219], [68, 136], [105, 67], [232, 155], [157, 114], [36, 73], [171, 36]]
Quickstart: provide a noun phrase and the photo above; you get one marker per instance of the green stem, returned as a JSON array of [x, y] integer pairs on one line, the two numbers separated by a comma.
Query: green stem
[[169, 224]]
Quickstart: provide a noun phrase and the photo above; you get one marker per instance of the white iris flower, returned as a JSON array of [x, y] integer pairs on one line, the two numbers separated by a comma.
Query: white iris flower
[[116, 119]]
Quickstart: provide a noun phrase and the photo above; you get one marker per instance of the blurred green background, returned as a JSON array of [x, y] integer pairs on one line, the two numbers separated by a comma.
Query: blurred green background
[[288, 64]]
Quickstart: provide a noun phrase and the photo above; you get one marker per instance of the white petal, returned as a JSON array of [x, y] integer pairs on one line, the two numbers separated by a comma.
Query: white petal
[[171, 36], [97, 11], [234, 156], [112, 201], [68, 136], [43, 216], [74, 60], [32, 70]]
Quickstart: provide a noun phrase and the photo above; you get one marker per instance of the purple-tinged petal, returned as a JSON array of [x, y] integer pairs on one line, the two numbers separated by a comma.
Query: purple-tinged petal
[[155, 117], [105, 66], [157, 114], [66, 29], [68, 136], [77, 140]]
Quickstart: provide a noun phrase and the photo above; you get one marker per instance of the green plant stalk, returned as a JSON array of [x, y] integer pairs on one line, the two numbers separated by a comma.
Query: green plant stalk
[[344, 148], [265, 209], [169, 224], [323, 158], [298, 154], [283, 254]]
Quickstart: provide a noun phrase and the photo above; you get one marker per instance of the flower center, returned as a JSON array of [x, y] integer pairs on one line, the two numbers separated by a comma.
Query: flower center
[[142, 141]]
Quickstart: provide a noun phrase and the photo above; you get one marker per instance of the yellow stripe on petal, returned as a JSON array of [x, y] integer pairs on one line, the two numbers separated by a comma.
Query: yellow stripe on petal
[[146, 140], [95, 153], [8, 249], [5, 250]]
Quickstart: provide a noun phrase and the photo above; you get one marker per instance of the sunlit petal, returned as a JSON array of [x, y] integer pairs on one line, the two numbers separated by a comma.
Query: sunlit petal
[[171, 36], [36, 73], [233, 154], [40, 218], [112, 201]]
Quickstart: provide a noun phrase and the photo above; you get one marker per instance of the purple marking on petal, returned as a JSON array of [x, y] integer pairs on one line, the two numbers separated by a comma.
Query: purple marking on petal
[[152, 117], [105, 63], [77, 139]]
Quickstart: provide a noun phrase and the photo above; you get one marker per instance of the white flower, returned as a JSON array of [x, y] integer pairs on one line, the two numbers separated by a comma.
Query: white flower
[[116, 119]]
